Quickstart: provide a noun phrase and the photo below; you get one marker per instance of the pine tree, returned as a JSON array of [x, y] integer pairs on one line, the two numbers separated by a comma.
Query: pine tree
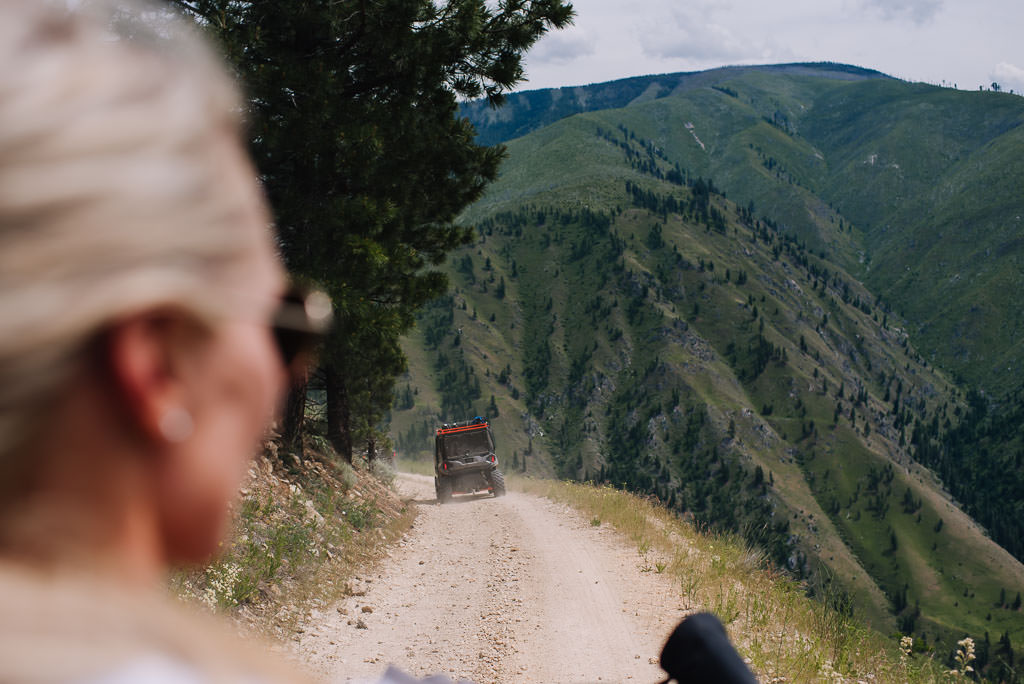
[[355, 133]]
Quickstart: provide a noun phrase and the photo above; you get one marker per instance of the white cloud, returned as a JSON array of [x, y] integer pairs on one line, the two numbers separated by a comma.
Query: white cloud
[[561, 47], [1009, 77], [920, 40], [918, 11], [694, 36]]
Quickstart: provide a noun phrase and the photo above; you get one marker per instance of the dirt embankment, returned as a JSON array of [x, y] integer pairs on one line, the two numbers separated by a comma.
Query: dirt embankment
[[515, 589]]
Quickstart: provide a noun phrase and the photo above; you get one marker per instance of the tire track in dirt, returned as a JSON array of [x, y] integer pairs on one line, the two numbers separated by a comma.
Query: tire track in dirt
[[514, 589]]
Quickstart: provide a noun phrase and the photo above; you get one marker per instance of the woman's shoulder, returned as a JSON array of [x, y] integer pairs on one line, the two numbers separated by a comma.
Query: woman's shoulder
[[151, 668], [59, 626]]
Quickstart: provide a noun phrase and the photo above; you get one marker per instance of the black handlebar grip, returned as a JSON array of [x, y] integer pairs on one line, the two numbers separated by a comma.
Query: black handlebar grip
[[699, 651]]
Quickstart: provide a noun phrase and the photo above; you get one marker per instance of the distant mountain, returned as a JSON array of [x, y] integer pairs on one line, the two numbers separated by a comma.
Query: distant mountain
[[526, 111], [719, 295], [927, 183]]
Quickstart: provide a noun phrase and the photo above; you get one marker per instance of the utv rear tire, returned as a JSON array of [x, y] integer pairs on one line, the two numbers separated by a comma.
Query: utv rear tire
[[443, 489], [498, 483]]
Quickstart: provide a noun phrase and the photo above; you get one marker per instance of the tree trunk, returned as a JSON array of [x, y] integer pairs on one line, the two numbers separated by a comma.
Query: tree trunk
[[371, 450], [338, 413], [294, 419]]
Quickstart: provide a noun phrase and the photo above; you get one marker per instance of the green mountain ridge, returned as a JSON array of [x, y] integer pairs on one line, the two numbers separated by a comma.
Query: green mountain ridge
[[661, 298], [526, 111], [926, 181]]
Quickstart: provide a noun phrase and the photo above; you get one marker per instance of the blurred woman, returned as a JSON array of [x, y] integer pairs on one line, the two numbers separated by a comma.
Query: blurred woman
[[138, 366]]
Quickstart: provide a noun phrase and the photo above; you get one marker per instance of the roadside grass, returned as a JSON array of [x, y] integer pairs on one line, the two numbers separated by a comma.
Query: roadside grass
[[416, 466], [783, 634], [300, 535]]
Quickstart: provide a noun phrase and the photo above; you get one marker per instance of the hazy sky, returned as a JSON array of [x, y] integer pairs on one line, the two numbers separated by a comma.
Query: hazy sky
[[963, 42]]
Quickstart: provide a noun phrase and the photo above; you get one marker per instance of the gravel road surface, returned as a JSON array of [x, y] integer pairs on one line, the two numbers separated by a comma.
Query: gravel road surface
[[513, 589]]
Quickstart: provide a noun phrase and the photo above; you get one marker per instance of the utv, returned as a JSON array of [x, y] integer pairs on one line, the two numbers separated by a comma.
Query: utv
[[464, 460]]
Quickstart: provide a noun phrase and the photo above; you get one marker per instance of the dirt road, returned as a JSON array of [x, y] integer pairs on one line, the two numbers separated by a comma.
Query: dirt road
[[515, 589]]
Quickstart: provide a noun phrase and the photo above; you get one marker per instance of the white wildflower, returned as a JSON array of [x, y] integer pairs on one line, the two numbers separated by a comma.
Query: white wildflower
[[829, 674], [208, 597], [221, 581], [906, 648], [964, 656]]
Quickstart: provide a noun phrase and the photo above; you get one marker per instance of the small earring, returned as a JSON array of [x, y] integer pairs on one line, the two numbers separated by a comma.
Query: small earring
[[176, 425]]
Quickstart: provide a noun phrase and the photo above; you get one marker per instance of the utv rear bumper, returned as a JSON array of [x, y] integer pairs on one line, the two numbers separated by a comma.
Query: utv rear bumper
[[467, 465]]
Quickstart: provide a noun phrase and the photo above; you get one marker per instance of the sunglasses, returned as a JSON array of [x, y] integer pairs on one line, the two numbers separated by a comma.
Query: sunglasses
[[301, 322]]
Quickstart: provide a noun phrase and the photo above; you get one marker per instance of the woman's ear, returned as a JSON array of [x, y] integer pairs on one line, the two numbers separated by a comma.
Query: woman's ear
[[143, 357]]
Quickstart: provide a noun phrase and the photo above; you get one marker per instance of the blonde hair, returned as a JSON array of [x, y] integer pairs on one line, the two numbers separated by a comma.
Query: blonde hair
[[109, 197]]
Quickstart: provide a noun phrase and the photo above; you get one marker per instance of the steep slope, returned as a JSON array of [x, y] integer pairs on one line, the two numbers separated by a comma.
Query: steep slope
[[914, 189], [937, 191], [629, 324]]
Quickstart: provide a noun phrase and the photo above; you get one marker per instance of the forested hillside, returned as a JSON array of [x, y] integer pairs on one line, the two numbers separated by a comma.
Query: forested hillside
[[630, 315], [915, 189]]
